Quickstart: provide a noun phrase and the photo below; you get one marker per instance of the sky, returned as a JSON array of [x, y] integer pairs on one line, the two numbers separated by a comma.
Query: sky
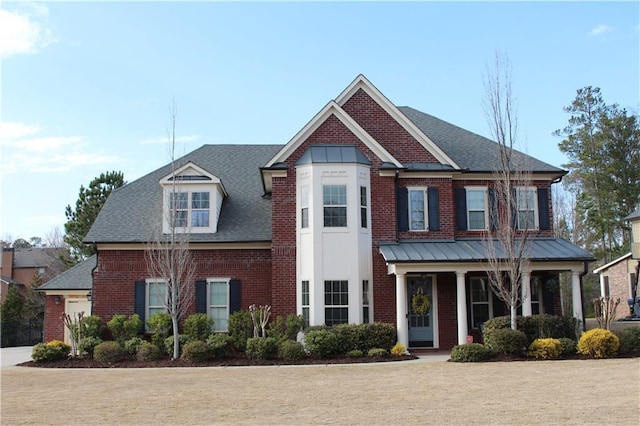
[[87, 87]]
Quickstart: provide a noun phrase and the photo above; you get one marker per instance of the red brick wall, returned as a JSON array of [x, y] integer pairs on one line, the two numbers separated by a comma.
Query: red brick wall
[[53, 326], [619, 286], [447, 310], [113, 285], [445, 204]]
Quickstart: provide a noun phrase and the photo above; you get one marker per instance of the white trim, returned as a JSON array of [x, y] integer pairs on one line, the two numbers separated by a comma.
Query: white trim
[[226, 281], [486, 207], [332, 109], [613, 262], [166, 180], [250, 245], [534, 207], [361, 82], [425, 203]]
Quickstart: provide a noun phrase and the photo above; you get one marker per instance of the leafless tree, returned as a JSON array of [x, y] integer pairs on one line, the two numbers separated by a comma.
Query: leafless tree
[[507, 239], [168, 257]]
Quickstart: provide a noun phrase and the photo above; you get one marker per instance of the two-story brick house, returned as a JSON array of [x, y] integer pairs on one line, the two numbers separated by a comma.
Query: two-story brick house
[[366, 206]]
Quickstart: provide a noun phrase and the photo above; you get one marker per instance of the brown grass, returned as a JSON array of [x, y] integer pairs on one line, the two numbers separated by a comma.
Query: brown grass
[[542, 392]]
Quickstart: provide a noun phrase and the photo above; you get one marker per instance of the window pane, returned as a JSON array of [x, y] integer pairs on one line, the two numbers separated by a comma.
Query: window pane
[[475, 200], [363, 196], [334, 316], [200, 200], [476, 220], [305, 293], [304, 217], [220, 318], [480, 314], [335, 216], [181, 219], [157, 295], [335, 195], [365, 292], [218, 293], [416, 210], [479, 291], [200, 218]]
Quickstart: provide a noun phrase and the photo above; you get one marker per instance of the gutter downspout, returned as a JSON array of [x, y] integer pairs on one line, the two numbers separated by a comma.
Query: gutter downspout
[[584, 272], [95, 247]]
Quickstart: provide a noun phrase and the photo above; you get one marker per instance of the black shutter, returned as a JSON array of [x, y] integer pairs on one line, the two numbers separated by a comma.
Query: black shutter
[[514, 208], [434, 213], [461, 209], [543, 208], [234, 296], [402, 208], [139, 299], [493, 209], [201, 297]]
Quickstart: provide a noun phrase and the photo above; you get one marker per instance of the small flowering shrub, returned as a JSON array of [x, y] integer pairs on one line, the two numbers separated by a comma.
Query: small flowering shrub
[[196, 351], [147, 351], [51, 351], [290, 350], [356, 353], [598, 343], [373, 352], [545, 348], [132, 345], [568, 346], [398, 349], [471, 352], [262, 348], [220, 345], [86, 345], [629, 339], [109, 352]]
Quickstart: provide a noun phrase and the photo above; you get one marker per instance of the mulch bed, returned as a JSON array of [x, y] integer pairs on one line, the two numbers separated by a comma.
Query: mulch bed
[[234, 361]]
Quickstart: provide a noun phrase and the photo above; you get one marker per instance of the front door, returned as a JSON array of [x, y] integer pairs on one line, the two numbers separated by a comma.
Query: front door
[[73, 308], [420, 300]]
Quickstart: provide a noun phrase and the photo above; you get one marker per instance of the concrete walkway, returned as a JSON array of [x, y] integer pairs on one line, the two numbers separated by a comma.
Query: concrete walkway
[[12, 356]]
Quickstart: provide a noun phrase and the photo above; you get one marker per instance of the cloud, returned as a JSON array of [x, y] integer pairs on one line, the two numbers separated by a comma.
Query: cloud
[[24, 31], [601, 29], [23, 150], [165, 139]]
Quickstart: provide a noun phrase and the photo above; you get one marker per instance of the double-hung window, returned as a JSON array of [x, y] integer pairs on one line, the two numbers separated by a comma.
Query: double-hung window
[[417, 209], [155, 297], [190, 209], [305, 301], [526, 205], [363, 206], [481, 307], [365, 302], [218, 303], [477, 212], [536, 293], [334, 199], [304, 207], [336, 302]]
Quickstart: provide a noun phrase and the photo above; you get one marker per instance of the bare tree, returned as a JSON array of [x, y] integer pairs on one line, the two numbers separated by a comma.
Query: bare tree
[[507, 239], [168, 257]]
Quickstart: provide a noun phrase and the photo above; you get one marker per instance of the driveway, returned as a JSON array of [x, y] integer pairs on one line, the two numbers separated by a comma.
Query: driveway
[[12, 356]]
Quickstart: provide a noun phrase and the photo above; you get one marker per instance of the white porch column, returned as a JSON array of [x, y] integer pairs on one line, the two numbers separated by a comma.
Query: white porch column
[[602, 286], [461, 305], [401, 310], [576, 296], [526, 294]]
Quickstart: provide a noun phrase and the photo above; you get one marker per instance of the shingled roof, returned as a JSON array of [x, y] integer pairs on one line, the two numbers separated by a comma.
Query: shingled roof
[[77, 278]]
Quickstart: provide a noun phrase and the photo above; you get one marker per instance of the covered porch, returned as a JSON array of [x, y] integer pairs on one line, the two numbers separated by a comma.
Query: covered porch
[[452, 271]]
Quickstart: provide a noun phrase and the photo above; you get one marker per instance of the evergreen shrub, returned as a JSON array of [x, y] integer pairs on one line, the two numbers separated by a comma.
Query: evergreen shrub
[[356, 353], [147, 351], [373, 352], [54, 350], [132, 345], [506, 341], [545, 348], [198, 326], [629, 339], [240, 328], [568, 346], [290, 350], [109, 352], [220, 345], [123, 328], [398, 349], [183, 339], [321, 343], [471, 352], [86, 345], [262, 348], [196, 351]]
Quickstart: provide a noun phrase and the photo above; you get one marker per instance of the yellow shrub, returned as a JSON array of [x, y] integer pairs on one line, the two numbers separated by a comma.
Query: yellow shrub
[[545, 348], [598, 343], [58, 343], [398, 349]]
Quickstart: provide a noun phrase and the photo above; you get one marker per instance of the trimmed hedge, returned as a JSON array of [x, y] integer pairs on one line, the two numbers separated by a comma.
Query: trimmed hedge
[[51, 351], [198, 326], [290, 350], [545, 348], [262, 348], [240, 329], [471, 352], [220, 345], [147, 351], [109, 352], [629, 340], [506, 341], [536, 326], [196, 351], [321, 343], [598, 343]]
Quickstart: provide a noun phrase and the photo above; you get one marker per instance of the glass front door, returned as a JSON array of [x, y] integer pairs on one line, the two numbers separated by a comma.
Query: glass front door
[[420, 303]]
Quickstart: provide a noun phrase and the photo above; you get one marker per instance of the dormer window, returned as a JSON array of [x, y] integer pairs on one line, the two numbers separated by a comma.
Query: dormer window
[[192, 200]]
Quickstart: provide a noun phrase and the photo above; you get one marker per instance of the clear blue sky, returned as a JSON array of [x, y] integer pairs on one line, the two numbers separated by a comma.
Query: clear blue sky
[[86, 87]]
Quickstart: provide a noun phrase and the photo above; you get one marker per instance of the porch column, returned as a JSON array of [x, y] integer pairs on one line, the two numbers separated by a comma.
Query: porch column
[[526, 294], [576, 297], [603, 292], [461, 305], [401, 310]]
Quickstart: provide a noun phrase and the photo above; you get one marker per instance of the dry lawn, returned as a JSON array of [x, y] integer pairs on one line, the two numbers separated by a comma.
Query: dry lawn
[[549, 392]]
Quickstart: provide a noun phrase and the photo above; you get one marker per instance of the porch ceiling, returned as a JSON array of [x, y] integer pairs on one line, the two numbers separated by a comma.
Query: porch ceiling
[[474, 250]]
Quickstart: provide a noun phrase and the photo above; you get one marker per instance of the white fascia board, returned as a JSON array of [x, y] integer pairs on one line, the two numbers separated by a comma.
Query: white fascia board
[[190, 165], [361, 82], [494, 176], [610, 264], [332, 108]]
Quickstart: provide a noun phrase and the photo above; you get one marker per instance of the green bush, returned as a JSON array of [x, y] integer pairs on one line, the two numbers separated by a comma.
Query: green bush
[[321, 343], [86, 345], [548, 348], [399, 349], [123, 328], [506, 341], [373, 352], [198, 326], [160, 324], [629, 340], [109, 352], [54, 350], [283, 329], [240, 329], [568, 346], [147, 351], [91, 326], [471, 352], [220, 345], [536, 326], [183, 339], [196, 351], [598, 343], [132, 345], [290, 350], [364, 336], [262, 348], [356, 353]]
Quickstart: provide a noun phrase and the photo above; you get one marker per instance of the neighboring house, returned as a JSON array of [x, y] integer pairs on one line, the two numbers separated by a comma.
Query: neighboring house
[[366, 207], [69, 293], [21, 266]]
